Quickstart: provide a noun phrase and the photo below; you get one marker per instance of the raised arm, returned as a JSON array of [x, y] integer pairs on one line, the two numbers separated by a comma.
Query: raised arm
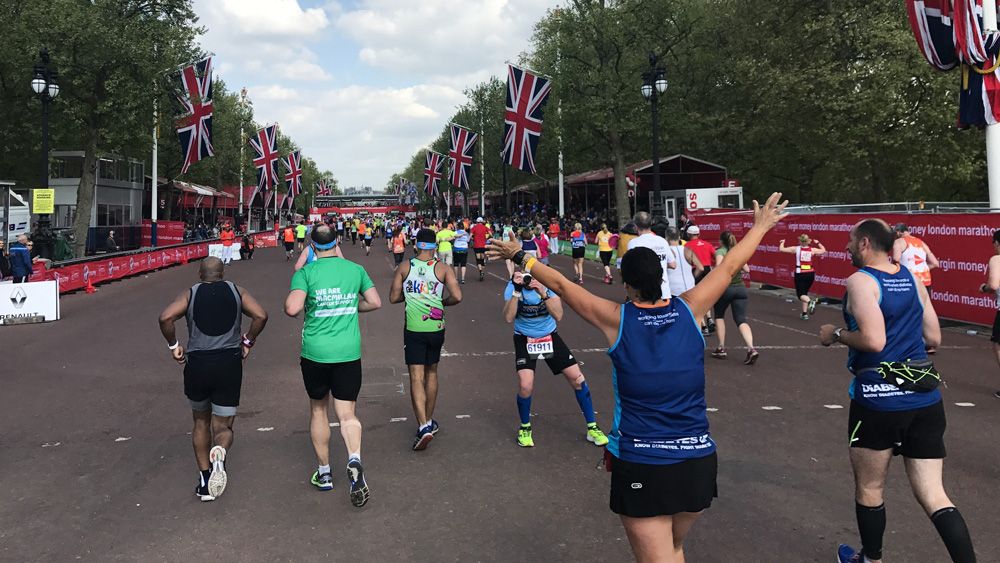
[[820, 249], [787, 249], [704, 295], [600, 312]]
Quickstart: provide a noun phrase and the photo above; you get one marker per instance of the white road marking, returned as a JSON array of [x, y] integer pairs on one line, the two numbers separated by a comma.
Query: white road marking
[[400, 419], [333, 424], [463, 416], [771, 408], [265, 429], [51, 444], [834, 406], [123, 438], [761, 321], [965, 404], [711, 409]]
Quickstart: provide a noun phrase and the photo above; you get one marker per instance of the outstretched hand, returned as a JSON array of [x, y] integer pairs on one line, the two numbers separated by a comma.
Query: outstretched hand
[[768, 216], [502, 249]]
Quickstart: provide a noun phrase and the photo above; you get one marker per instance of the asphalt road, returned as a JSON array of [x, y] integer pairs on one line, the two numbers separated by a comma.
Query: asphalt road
[[96, 462]]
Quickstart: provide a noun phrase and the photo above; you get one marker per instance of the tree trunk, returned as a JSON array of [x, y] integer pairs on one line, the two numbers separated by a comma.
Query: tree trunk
[[85, 193], [621, 191]]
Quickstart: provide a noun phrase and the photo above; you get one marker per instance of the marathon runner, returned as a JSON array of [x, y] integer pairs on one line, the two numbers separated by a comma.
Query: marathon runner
[[604, 250], [461, 250], [309, 256], [354, 231], [535, 311], [444, 238], [644, 224], [480, 233], [661, 455], [735, 296], [332, 292], [289, 238], [805, 275], [365, 231], [227, 236], [341, 233], [706, 255], [896, 407], [398, 246], [688, 269], [578, 240], [992, 285], [300, 236], [213, 364], [420, 283]]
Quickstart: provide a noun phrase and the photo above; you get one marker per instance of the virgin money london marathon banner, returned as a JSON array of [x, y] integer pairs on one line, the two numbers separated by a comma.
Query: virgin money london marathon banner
[[961, 242]]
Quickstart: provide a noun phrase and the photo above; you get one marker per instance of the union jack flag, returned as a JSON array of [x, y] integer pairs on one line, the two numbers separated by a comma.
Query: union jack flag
[[193, 88], [463, 144], [293, 180], [265, 143], [432, 173], [322, 188], [522, 121]]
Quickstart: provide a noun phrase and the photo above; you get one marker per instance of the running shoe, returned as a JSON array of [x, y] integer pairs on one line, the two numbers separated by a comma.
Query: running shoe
[[424, 437], [481, 276], [359, 487], [595, 436], [804, 316], [996, 394], [524, 436], [322, 482], [217, 480], [720, 354], [846, 554], [752, 356], [812, 305], [461, 282], [201, 491], [434, 427], [705, 332]]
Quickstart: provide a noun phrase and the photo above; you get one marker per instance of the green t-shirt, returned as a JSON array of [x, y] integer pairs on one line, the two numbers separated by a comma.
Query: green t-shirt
[[444, 245], [331, 333], [300, 231], [738, 276]]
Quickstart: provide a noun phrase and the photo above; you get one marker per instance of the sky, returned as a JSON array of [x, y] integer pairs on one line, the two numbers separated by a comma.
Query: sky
[[361, 85]]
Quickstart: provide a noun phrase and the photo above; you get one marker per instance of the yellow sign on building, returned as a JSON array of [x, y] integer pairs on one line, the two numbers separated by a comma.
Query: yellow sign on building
[[43, 200]]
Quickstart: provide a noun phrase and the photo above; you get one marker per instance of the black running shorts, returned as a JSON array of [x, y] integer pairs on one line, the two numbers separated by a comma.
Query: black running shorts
[[480, 255], [215, 376], [642, 490], [397, 257], [917, 433], [579, 252], [422, 348], [368, 242], [460, 258], [561, 359], [606, 257], [803, 283], [735, 296], [289, 246], [342, 379], [996, 329]]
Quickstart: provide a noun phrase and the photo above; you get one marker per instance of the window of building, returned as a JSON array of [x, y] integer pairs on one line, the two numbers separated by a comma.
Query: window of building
[[64, 216], [67, 167], [729, 201], [106, 169]]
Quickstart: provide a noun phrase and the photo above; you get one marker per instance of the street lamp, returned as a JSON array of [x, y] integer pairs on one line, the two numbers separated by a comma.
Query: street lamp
[[654, 84], [46, 88]]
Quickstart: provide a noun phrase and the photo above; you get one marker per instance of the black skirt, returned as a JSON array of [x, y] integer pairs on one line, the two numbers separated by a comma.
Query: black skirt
[[642, 490]]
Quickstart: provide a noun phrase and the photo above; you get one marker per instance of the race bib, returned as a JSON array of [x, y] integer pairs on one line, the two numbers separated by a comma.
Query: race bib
[[540, 347]]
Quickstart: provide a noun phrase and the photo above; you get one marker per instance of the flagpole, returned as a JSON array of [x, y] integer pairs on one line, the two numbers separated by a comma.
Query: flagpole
[[154, 196], [243, 142], [562, 193], [993, 130], [482, 169]]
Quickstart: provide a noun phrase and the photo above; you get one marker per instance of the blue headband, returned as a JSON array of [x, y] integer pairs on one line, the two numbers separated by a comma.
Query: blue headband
[[326, 246], [427, 245]]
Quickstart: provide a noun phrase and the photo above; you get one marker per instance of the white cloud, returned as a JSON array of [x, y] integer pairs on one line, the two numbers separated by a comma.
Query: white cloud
[[429, 51]]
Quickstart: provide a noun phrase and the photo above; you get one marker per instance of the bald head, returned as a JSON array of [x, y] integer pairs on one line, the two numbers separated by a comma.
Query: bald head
[[643, 221], [22, 238], [323, 234], [211, 269]]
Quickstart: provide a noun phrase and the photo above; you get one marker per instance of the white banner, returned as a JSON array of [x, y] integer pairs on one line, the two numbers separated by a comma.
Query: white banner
[[216, 250], [34, 299]]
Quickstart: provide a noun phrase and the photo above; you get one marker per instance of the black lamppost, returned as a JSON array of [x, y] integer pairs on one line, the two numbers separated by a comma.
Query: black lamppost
[[46, 88], [654, 83]]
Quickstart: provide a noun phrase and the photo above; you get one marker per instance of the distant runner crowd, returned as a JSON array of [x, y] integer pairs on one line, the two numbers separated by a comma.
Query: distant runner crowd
[[678, 290]]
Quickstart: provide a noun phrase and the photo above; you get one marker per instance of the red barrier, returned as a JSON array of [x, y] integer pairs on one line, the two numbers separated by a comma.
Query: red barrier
[[961, 242], [167, 233]]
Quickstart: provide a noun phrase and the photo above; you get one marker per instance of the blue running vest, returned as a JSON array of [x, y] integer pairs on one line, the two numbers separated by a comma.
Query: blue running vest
[[658, 375], [900, 303]]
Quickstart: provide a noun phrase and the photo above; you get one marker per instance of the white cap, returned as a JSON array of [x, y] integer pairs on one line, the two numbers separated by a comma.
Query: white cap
[[694, 230], [479, 219]]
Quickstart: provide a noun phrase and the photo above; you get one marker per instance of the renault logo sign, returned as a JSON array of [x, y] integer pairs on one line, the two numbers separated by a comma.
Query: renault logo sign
[[18, 297]]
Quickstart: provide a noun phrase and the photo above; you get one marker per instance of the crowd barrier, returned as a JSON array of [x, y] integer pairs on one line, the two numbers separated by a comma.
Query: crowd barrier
[[961, 242], [79, 274]]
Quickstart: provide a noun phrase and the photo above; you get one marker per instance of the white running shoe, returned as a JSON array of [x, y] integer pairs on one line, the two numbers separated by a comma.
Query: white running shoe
[[217, 480]]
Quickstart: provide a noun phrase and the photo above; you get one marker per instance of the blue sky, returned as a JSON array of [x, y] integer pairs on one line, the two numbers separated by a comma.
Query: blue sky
[[363, 84]]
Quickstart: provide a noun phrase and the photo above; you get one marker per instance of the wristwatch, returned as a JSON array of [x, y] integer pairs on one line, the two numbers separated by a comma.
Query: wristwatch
[[516, 294], [836, 334], [248, 342], [174, 345], [518, 258]]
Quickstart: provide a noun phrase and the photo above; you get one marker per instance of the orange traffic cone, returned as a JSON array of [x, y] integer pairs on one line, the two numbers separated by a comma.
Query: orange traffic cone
[[90, 287]]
